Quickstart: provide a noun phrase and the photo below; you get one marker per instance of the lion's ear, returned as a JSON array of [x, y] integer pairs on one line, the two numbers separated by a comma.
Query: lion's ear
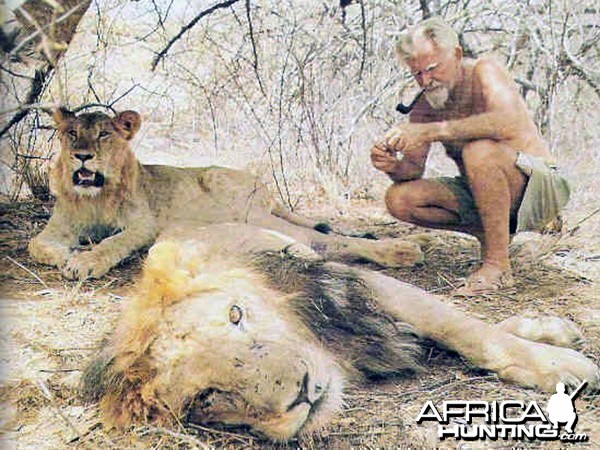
[[128, 123], [61, 116]]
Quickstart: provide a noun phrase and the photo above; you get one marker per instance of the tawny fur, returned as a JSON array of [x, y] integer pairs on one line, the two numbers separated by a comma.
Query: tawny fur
[[136, 202], [177, 355]]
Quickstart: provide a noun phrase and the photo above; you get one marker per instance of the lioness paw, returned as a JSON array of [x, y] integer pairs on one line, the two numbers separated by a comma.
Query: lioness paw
[[301, 251], [45, 253], [393, 253], [82, 266]]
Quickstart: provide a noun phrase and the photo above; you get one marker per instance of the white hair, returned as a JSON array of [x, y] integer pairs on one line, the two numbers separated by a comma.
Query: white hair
[[434, 29]]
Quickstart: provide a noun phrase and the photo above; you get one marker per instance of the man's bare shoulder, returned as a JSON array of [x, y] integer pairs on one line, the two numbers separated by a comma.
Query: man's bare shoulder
[[489, 68]]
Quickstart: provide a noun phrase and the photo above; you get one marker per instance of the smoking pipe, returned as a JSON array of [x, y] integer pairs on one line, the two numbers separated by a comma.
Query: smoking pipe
[[405, 109]]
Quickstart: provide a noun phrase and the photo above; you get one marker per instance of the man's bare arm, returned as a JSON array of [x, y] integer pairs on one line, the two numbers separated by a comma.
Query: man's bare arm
[[410, 167], [505, 115]]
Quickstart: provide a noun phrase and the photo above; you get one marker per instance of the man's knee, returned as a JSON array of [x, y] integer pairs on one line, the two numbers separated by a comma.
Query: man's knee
[[399, 201]]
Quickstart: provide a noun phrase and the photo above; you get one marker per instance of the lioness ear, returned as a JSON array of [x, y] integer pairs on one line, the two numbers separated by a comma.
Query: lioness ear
[[128, 123], [61, 116]]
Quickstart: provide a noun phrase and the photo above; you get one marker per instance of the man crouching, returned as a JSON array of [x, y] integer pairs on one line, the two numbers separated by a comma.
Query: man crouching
[[508, 180]]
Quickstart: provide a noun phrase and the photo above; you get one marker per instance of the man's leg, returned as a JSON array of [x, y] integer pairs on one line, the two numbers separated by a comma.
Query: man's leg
[[426, 203], [571, 422], [497, 186]]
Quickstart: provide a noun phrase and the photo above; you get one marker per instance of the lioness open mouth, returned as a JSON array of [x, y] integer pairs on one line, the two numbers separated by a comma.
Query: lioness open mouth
[[87, 178]]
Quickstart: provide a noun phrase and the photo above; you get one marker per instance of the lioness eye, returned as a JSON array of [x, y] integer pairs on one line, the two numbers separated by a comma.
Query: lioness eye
[[103, 134], [72, 133], [235, 314]]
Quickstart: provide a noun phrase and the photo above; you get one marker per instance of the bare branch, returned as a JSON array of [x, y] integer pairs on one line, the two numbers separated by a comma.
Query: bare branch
[[188, 27], [363, 23], [36, 88], [425, 9], [254, 52]]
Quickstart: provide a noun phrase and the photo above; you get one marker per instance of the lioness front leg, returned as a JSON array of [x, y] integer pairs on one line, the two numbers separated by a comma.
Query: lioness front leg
[[108, 253], [53, 245], [527, 363], [387, 252]]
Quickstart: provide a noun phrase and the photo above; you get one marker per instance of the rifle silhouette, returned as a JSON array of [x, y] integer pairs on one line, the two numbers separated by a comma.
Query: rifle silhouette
[[578, 390]]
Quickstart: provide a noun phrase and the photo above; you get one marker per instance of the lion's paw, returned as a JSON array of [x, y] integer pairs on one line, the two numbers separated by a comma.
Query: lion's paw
[[394, 253], [46, 253], [301, 251], [84, 265], [547, 329], [545, 365]]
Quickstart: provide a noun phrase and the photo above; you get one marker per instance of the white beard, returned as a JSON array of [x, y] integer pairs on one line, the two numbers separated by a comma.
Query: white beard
[[438, 97]]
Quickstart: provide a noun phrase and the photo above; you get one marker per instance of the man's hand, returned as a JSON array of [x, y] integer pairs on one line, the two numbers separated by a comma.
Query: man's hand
[[383, 158], [407, 137]]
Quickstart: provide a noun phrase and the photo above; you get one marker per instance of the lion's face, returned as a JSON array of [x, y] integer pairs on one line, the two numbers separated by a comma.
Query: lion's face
[[241, 360], [218, 347], [94, 150]]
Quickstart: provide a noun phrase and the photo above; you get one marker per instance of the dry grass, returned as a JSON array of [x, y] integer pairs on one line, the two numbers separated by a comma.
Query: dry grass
[[52, 327]]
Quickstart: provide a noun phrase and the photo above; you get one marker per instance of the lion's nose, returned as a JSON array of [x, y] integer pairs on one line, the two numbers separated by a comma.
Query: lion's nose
[[310, 391], [83, 157]]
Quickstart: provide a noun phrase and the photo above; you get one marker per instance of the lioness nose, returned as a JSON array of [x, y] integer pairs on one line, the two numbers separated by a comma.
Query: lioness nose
[[83, 157]]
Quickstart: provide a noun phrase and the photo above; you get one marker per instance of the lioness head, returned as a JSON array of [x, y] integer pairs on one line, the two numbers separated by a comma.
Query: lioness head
[[206, 342], [95, 155]]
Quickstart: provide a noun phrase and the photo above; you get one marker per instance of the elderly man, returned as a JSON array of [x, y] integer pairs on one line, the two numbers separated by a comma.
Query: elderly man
[[508, 181]]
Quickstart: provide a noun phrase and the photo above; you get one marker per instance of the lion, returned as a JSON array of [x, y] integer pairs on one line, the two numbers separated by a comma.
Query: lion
[[227, 326], [106, 199]]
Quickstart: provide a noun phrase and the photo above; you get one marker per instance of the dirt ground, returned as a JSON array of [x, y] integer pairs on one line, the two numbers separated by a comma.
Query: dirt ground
[[50, 328]]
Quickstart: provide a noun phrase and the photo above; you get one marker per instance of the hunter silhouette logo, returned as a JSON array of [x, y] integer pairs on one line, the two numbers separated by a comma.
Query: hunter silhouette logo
[[510, 419], [561, 407]]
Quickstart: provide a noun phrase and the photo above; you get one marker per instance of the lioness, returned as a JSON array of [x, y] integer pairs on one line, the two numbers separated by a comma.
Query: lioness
[[104, 194], [228, 327]]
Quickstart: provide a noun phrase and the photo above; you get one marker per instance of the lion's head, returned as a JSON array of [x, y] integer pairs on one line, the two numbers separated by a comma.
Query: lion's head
[[260, 343], [208, 342], [95, 159]]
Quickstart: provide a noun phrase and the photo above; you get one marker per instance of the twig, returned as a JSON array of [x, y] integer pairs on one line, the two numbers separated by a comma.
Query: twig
[[124, 94], [363, 23], [241, 437], [45, 107], [36, 88], [187, 27], [56, 408], [447, 384], [573, 230], [367, 431], [185, 437], [425, 9], [527, 84], [446, 280], [28, 271], [43, 158], [254, 52]]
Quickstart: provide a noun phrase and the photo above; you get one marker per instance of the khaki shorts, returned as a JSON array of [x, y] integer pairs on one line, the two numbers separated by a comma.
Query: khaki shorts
[[546, 194]]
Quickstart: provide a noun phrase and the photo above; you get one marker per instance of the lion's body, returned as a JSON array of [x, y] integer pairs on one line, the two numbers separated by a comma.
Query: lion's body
[[107, 198], [226, 326]]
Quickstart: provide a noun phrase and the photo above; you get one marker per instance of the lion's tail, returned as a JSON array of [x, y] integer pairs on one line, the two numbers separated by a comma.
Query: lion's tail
[[282, 212]]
